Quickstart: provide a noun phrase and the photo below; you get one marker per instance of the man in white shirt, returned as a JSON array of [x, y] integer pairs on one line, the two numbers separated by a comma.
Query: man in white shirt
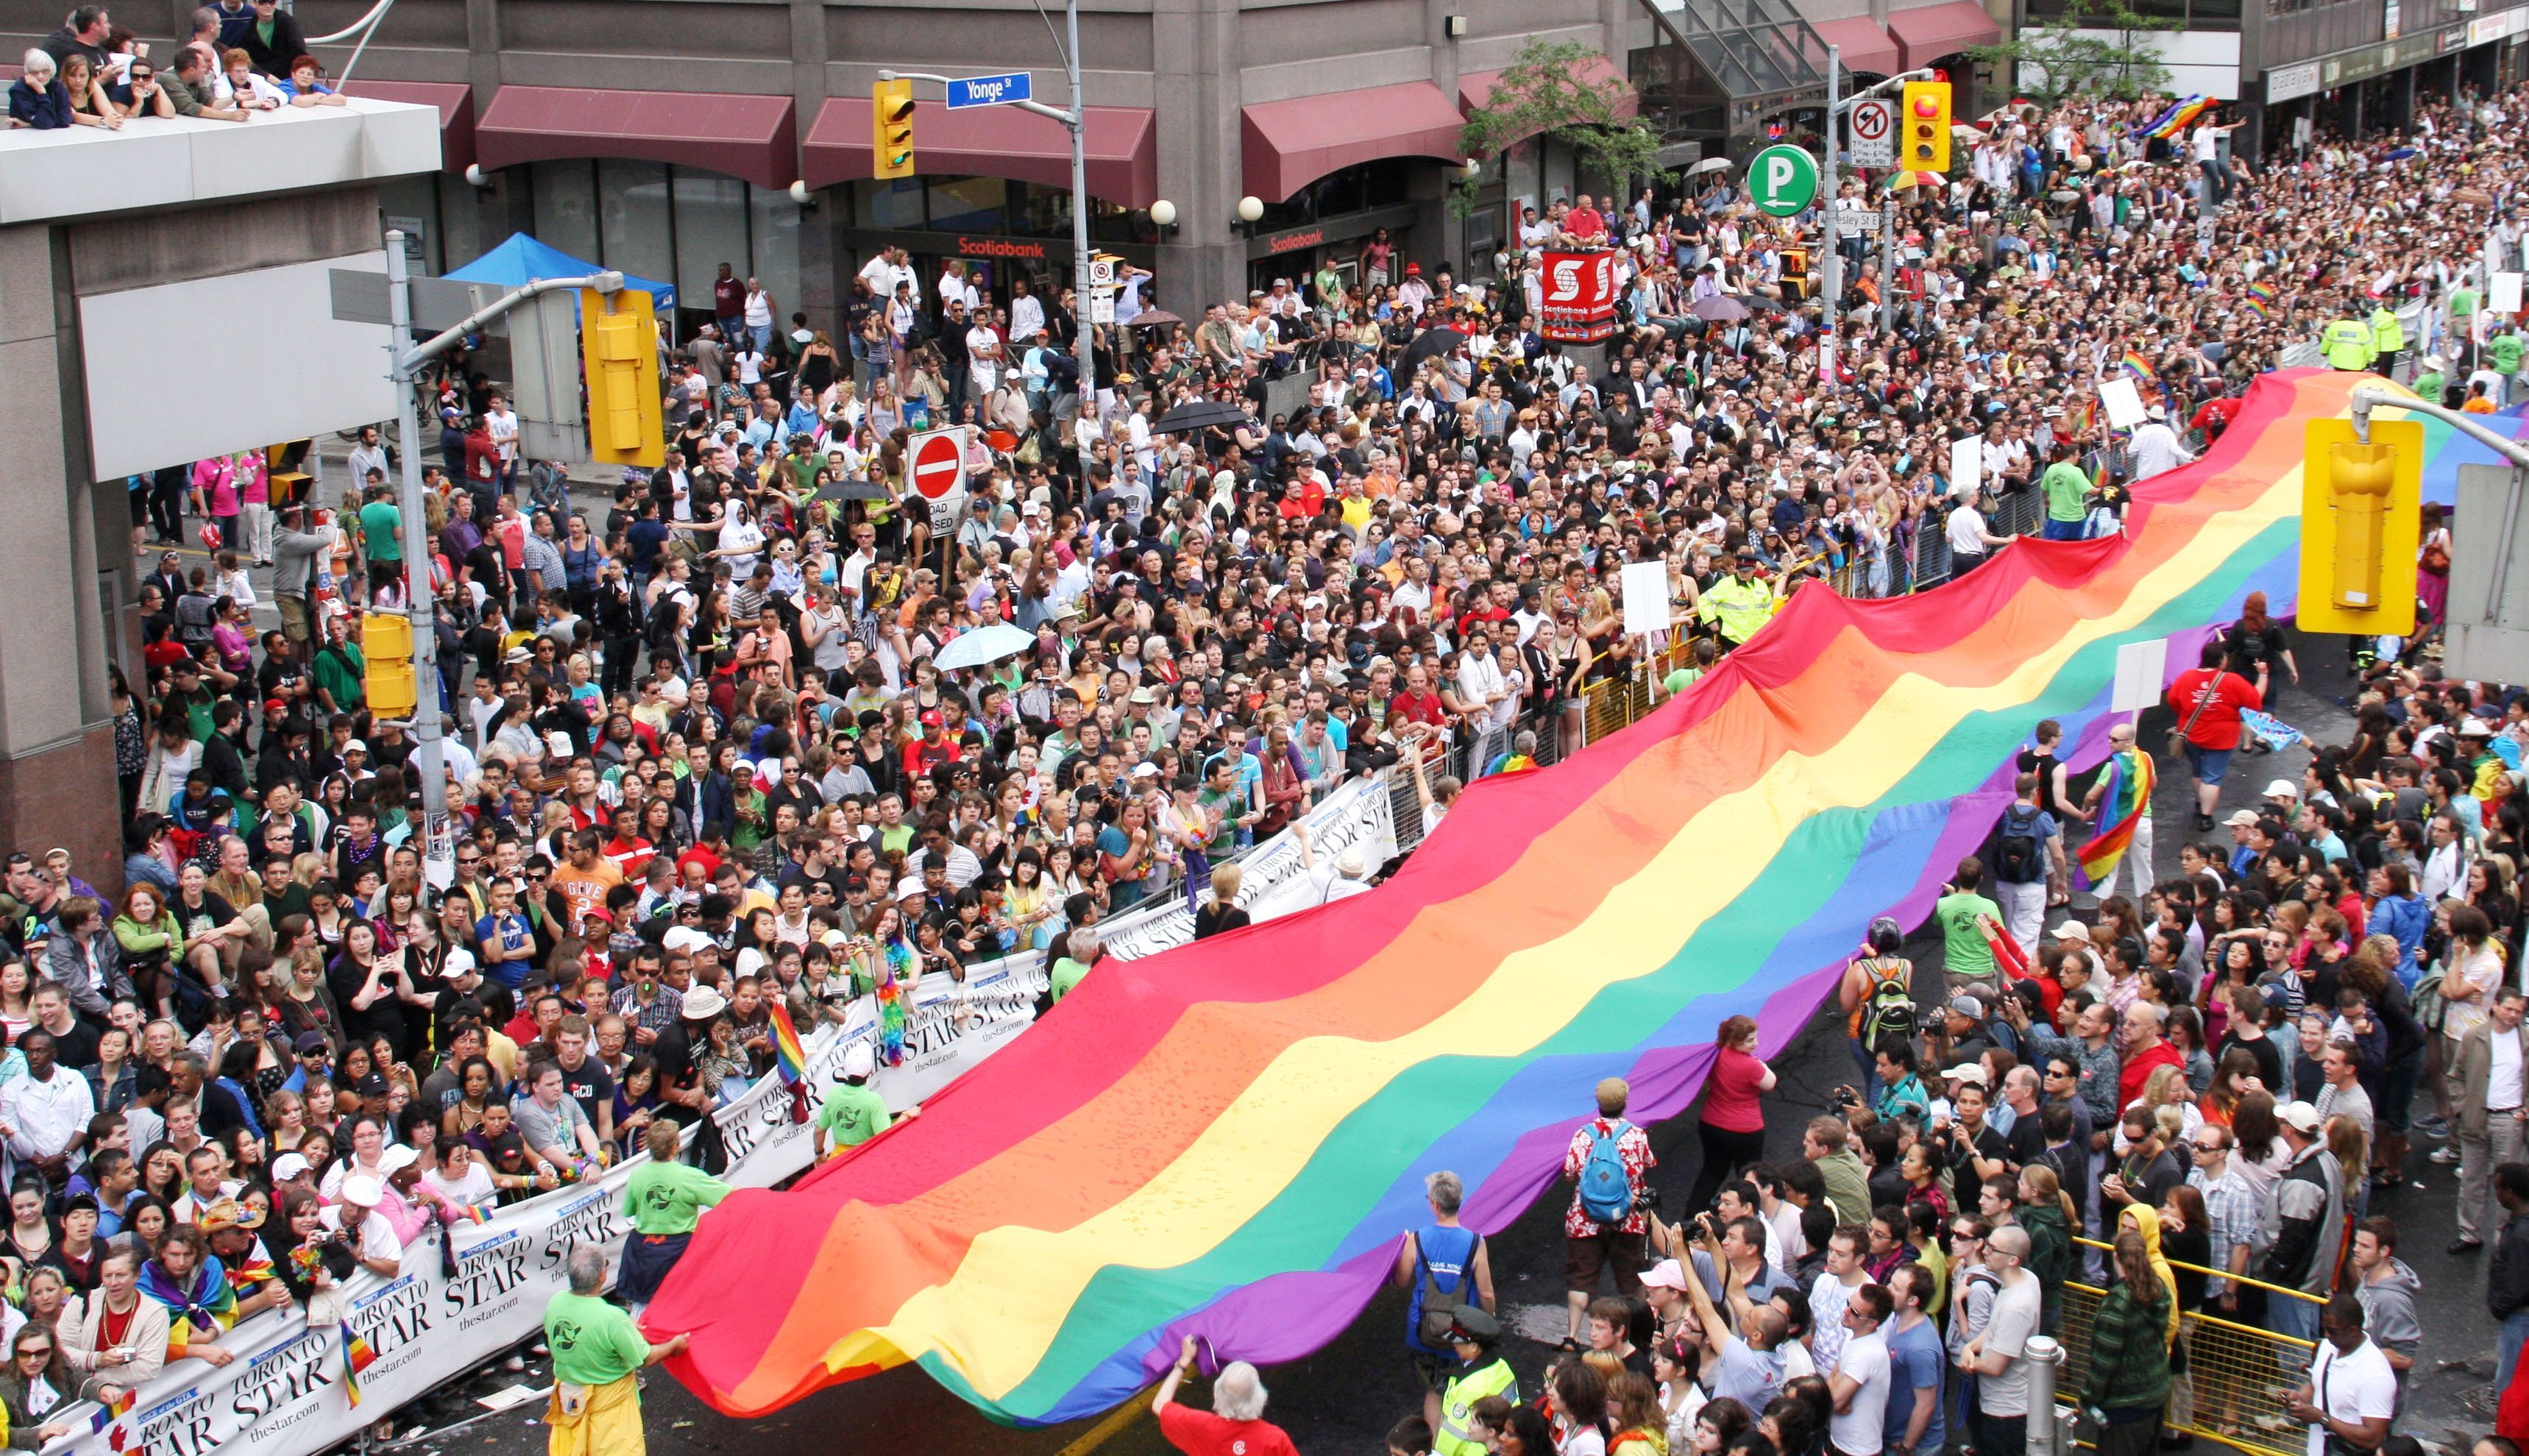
[[891, 267], [983, 360], [2157, 450], [2351, 1395], [1970, 542], [44, 1113], [1860, 1384], [370, 456], [502, 423], [1999, 1357], [354, 1212], [1026, 310]]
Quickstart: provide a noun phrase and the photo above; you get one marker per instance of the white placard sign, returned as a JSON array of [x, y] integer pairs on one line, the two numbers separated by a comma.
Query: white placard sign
[[1645, 593], [2504, 295], [1966, 467], [2139, 670], [2122, 402]]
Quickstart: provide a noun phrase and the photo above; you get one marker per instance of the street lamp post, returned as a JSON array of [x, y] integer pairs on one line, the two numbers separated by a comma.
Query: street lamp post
[[1833, 188]]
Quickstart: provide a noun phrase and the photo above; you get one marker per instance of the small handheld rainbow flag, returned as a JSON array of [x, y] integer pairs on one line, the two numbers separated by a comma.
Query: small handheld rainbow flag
[[789, 1058], [109, 1412], [2261, 298], [2140, 366], [357, 1357], [2178, 117]]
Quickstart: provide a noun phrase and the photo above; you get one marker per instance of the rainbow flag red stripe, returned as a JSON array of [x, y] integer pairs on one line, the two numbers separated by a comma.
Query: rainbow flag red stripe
[[1223, 1140]]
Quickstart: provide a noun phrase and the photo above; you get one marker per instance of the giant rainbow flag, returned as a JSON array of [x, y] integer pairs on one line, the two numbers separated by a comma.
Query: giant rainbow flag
[[1226, 1138]]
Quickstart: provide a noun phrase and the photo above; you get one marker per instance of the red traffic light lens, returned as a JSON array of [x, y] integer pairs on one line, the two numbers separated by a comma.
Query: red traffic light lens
[[1925, 106]]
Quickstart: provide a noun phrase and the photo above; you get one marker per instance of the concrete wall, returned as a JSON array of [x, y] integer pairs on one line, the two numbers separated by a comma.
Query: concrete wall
[[67, 541]]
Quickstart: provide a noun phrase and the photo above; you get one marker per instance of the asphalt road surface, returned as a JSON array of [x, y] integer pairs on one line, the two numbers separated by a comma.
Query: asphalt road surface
[[1345, 1397]]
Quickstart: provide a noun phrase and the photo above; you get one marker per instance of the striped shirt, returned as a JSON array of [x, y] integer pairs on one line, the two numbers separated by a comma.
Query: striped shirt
[[2230, 1207]]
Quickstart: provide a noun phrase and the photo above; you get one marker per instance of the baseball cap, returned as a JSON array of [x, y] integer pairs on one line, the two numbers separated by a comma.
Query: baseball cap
[[1966, 1072], [1668, 1273], [2282, 787], [930, 717], [857, 1061], [2242, 819], [1966, 1005], [2299, 1116], [2073, 930], [310, 1042], [289, 1166]]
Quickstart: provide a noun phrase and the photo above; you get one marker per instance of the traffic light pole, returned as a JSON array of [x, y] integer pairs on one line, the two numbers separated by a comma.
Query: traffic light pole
[[439, 843], [1833, 186], [1076, 121], [2368, 398]]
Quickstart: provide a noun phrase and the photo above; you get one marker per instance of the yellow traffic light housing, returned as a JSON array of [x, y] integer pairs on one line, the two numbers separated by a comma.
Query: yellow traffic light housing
[[1924, 127], [386, 654], [892, 126], [2361, 524], [618, 349]]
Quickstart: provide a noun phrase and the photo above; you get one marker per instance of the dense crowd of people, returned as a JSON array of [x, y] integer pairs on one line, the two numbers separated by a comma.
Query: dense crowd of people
[[705, 760]]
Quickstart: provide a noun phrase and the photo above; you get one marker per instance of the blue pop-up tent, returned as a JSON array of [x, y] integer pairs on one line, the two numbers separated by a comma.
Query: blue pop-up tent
[[522, 260]]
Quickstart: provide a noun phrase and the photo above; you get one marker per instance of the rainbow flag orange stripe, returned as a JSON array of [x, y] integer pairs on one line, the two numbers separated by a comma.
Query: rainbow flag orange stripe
[[1224, 1139]]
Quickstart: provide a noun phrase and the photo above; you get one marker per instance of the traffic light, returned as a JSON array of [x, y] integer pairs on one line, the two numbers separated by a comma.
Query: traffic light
[[619, 350], [2361, 520], [386, 652], [892, 126], [1926, 145]]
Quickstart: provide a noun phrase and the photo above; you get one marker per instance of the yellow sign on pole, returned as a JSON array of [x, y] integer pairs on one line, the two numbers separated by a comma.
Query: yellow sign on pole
[[2361, 524]]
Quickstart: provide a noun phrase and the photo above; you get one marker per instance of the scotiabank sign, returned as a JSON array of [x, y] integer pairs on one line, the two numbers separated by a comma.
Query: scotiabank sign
[[998, 247], [1579, 305], [1293, 241]]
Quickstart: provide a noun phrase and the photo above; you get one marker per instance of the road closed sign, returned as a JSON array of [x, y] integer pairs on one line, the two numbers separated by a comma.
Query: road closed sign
[[934, 463], [1782, 181]]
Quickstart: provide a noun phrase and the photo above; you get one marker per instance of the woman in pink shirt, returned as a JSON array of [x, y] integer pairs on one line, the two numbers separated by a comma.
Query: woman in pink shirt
[[215, 495], [1732, 1127], [254, 496]]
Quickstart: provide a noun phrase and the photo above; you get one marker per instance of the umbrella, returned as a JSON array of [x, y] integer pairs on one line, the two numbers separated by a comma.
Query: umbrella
[[985, 644], [1898, 182], [1720, 308], [1758, 301], [1155, 318], [1431, 341], [1201, 414], [1961, 131], [1708, 164]]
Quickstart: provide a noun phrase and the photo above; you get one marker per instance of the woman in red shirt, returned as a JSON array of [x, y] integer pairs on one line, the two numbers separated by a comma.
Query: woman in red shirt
[[1733, 1124]]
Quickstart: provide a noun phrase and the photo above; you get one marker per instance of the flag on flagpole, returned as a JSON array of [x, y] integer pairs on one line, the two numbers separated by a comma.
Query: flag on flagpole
[[789, 1058], [357, 1357]]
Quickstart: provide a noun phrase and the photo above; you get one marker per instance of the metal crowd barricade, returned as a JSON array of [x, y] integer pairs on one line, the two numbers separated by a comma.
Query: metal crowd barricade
[[2239, 1374]]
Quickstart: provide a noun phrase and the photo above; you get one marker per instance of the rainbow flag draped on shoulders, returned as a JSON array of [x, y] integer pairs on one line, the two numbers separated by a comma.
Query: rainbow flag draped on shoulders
[[1225, 1139], [2129, 782]]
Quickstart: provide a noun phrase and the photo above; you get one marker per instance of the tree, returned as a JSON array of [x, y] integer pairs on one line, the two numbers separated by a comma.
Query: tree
[[2092, 49], [1543, 90]]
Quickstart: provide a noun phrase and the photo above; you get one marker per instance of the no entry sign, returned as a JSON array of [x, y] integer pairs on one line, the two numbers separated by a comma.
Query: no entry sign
[[937, 464]]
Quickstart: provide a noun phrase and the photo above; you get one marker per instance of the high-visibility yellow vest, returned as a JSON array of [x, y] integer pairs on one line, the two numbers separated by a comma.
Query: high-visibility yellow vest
[[1460, 1397], [2348, 344], [1739, 607], [2388, 335]]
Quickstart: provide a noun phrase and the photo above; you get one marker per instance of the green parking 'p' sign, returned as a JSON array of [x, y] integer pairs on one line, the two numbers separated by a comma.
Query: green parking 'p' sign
[[1782, 181]]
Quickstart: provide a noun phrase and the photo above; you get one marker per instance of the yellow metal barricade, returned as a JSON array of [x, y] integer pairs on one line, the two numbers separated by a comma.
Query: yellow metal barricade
[[2238, 1373]]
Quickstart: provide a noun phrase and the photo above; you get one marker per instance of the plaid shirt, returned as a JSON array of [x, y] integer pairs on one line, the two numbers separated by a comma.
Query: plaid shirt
[[657, 1016], [2231, 1206]]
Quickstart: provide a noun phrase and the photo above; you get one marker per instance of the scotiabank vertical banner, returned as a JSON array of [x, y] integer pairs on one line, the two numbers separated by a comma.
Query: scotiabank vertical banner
[[1580, 297], [286, 1393]]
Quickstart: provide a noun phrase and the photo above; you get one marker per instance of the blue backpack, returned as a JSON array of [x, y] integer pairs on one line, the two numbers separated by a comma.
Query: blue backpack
[[1606, 1192]]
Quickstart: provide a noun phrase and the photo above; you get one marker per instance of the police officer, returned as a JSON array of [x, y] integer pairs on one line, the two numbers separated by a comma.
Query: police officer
[[2346, 342], [1476, 1337], [2388, 339], [1741, 602]]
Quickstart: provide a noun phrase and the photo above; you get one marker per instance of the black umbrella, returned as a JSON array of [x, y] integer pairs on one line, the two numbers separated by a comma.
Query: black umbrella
[[1431, 341], [1758, 301], [1201, 414]]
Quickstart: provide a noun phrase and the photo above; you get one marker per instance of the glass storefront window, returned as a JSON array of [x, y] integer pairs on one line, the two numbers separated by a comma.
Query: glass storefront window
[[567, 206], [772, 223], [634, 217], [710, 230], [968, 204], [1380, 183], [1039, 211], [895, 205]]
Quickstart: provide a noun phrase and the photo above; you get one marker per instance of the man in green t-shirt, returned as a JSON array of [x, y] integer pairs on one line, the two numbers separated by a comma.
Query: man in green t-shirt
[[662, 1201], [597, 1350], [1082, 947], [2504, 349], [1959, 912], [381, 539], [1226, 806], [853, 1111], [2068, 494]]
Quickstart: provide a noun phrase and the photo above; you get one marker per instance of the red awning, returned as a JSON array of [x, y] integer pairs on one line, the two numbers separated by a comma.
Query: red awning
[[1475, 88], [454, 100], [755, 138], [1925, 35], [1121, 146], [1284, 145], [1867, 47]]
